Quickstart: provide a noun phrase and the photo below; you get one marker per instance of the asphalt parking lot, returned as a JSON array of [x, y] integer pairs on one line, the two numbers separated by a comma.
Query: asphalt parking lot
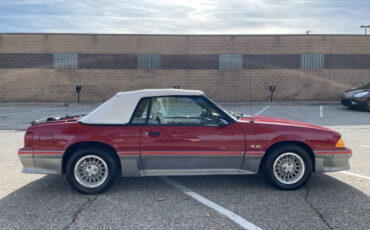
[[328, 201]]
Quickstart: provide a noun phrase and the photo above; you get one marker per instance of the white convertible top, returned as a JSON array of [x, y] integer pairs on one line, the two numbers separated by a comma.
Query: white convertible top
[[119, 109]]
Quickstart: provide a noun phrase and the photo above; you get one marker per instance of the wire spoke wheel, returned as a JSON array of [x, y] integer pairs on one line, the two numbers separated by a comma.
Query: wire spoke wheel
[[288, 168], [91, 171]]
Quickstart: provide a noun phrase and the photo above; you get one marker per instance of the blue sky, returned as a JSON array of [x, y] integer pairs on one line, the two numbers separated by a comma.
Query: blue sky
[[185, 16]]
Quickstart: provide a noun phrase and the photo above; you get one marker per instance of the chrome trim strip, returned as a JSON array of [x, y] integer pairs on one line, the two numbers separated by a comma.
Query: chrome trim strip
[[193, 172], [193, 153], [128, 153], [254, 153], [330, 152], [178, 156], [59, 152], [24, 152], [323, 152], [37, 151]]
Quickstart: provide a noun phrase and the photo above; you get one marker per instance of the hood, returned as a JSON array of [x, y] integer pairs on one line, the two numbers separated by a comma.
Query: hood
[[282, 121], [353, 91]]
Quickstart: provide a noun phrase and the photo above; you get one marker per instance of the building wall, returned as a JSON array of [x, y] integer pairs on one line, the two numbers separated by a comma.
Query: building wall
[[108, 64]]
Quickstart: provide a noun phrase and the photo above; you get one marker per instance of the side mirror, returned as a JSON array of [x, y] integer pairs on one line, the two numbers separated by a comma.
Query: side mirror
[[222, 122]]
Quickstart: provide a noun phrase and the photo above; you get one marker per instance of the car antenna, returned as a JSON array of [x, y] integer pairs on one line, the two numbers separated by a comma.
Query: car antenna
[[250, 93]]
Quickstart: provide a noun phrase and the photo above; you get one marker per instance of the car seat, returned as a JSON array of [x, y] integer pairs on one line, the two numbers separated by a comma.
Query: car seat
[[156, 114]]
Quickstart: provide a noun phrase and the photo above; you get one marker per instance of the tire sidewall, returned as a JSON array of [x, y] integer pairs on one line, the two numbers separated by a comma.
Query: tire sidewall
[[112, 170], [269, 171]]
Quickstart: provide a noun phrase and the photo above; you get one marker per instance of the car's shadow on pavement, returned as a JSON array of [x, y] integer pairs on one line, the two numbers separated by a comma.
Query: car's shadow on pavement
[[50, 202], [323, 200]]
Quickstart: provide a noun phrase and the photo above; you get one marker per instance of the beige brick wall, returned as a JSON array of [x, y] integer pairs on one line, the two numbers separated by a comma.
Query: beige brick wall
[[223, 85], [99, 85]]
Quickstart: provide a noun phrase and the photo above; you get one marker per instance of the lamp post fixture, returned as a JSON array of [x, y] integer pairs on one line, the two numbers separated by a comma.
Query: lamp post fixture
[[78, 90], [272, 88], [365, 27]]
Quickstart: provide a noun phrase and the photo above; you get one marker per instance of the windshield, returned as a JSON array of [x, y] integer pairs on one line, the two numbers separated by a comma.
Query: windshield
[[234, 115], [364, 86]]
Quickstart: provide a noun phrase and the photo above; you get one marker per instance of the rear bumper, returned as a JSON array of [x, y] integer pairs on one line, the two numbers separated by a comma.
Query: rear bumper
[[40, 162], [26, 158], [332, 161]]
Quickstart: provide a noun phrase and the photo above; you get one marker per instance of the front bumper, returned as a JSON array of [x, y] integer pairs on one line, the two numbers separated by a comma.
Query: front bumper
[[332, 161], [353, 103], [345, 101]]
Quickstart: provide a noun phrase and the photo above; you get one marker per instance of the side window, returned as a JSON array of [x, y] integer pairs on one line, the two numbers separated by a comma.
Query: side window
[[141, 112], [183, 111]]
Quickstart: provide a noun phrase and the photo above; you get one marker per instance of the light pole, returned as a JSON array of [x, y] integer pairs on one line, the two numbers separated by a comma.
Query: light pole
[[272, 88], [363, 26], [78, 90]]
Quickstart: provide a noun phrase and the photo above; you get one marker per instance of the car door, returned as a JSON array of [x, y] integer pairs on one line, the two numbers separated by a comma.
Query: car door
[[189, 133]]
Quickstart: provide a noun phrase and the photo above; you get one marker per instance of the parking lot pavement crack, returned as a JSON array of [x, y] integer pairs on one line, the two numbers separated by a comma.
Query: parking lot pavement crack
[[318, 213], [85, 205]]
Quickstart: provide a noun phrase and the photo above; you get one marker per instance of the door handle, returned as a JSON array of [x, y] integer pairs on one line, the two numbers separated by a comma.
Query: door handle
[[154, 133]]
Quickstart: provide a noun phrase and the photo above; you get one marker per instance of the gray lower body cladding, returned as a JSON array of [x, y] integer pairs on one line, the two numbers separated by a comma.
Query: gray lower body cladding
[[133, 166]]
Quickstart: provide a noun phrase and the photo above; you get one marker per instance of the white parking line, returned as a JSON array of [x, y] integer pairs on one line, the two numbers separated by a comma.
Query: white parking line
[[263, 110], [354, 174], [232, 216], [365, 146], [321, 111]]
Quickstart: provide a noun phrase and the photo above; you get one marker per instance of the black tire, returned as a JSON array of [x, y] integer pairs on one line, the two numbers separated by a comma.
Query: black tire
[[268, 166], [98, 153]]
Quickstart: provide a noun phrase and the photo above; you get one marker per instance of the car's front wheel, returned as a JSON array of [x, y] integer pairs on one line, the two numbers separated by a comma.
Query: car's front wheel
[[91, 171], [288, 167]]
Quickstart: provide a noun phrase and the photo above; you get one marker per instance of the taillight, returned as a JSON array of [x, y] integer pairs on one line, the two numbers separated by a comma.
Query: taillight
[[28, 140]]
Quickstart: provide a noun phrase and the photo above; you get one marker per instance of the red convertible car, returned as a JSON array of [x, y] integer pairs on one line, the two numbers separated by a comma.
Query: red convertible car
[[177, 132]]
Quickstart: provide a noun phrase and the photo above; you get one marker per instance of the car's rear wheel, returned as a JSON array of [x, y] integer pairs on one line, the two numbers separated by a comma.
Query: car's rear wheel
[[288, 167], [91, 171]]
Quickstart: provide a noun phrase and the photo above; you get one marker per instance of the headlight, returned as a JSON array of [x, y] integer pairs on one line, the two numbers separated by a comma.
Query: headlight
[[362, 94], [347, 95]]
